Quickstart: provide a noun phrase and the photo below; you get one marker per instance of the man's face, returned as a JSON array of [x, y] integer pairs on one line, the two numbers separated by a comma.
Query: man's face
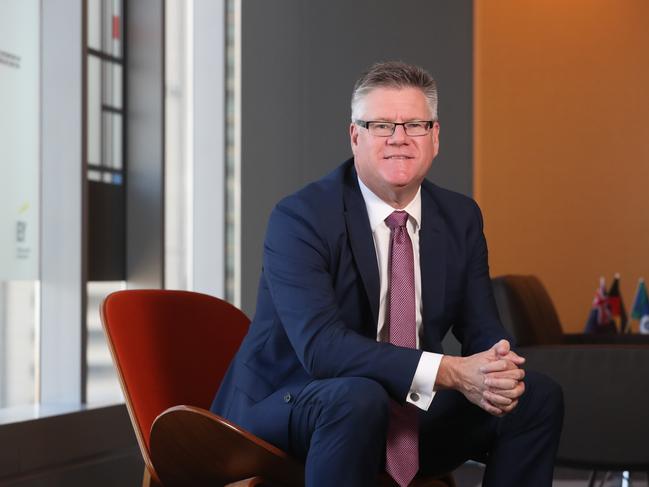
[[396, 165]]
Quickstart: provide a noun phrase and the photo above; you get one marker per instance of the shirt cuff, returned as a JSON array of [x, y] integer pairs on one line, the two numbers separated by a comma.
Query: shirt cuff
[[421, 391]]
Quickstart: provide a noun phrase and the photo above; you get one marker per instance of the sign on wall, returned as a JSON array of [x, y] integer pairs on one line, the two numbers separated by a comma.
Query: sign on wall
[[19, 139]]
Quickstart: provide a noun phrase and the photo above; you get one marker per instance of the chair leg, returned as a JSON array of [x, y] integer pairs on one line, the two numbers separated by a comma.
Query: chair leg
[[251, 482], [592, 479], [148, 481], [146, 478]]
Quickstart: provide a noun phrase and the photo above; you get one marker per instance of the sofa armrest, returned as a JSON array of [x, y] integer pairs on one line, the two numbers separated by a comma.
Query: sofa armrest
[[605, 339], [606, 395]]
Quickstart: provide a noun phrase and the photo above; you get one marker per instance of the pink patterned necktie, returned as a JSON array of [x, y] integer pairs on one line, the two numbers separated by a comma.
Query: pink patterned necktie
[[402, 447]]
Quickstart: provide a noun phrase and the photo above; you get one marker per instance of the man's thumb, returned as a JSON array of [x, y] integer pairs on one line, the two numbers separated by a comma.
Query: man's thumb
[[502, 347]]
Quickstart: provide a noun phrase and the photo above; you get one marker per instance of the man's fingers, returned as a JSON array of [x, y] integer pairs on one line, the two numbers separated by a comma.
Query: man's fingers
[[490, 408], [510, 408], [502, 347], [512, 393], [495, 366], [504, 383], [515, 374], [514, 357], [503, 350], [496, 399], [498, 410], [501, 365]]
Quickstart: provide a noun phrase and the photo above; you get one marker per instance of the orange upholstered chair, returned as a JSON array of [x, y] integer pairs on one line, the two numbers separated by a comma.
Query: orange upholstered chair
[[171, 350]]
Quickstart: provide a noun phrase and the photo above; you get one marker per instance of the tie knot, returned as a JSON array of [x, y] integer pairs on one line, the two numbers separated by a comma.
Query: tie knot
[[396, 219]]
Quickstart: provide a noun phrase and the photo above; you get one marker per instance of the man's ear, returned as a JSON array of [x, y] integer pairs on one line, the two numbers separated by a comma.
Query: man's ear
[[436, 139], [353, 136]]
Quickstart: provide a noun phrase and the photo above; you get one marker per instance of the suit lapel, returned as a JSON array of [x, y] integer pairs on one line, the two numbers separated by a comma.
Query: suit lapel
[[362, 242], [432, 259]]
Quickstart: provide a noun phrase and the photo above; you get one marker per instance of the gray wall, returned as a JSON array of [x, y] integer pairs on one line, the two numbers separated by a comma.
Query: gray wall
[[299, 63]]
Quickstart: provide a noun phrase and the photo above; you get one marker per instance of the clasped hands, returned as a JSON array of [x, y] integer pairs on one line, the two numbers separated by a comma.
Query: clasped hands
[[491, 379]]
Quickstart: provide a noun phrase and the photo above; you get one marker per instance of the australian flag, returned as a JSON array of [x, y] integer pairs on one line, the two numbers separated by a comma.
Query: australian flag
[[600, 319]]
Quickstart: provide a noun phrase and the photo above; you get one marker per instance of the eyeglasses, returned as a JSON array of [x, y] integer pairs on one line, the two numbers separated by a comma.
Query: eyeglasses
[[416, 128]]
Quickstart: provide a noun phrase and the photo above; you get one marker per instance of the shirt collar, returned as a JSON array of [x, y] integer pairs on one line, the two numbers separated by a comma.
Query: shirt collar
[[378, 210]]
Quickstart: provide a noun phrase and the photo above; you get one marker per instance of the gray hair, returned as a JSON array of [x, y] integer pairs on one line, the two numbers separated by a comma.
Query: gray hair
[[395, 74]]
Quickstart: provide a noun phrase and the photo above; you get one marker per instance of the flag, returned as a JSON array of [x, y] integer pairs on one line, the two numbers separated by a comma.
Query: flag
[[600, 319], [616, 305], [640, 308]]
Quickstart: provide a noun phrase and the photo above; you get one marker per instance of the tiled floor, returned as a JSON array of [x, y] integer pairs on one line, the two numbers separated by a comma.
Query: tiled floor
[[470, 475]]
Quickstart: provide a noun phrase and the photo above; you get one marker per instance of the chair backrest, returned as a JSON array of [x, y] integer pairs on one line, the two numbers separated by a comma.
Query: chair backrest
[[527, 311], [169, 348]]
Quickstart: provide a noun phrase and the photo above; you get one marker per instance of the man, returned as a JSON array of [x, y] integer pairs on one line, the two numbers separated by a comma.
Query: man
[[364, 272]]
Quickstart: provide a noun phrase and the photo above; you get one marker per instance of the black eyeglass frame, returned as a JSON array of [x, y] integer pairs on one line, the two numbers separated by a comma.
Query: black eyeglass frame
[[366, 125]]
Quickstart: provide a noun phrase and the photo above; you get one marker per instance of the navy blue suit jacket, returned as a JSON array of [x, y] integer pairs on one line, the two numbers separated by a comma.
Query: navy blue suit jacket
[[318, 301]]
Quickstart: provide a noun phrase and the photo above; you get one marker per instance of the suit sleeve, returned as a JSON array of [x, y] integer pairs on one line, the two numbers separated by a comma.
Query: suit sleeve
[[479, 325], [298, 272]]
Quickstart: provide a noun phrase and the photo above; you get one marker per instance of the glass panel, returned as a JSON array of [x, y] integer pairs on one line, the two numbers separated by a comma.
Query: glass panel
[[112, 27], [94, 110], [111, 141], [106, 139], [117, 28], [94, 24], [117, 141], [102, 383], [18, 316], [112, 84]]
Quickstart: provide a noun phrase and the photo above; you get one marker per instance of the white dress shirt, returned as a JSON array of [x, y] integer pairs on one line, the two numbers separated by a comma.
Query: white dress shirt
[[421, 391]]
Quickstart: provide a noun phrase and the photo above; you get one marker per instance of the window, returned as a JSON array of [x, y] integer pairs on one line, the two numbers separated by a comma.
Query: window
[[106, 180], [52, 347]]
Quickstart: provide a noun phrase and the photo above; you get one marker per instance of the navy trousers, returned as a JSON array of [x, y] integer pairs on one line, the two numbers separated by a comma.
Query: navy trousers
[[338, 428]]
